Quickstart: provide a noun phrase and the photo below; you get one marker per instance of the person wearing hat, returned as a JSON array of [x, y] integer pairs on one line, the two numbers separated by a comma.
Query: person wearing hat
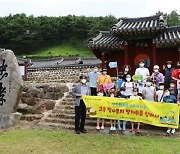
[[167, 72], [144, 72], [157, 76], [80, 108], [103, 79]]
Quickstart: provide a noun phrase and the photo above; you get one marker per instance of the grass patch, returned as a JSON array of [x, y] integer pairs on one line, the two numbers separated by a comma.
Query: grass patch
[[57, 142], [60, 51]]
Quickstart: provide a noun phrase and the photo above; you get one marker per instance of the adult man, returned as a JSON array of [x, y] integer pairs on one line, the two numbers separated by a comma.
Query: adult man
[[142, 70], [80, 108], [93, 76]]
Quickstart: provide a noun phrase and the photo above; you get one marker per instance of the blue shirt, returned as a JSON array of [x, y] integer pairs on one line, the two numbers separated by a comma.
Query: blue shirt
[[119, 83], [170, 99], [93, 76], [84, 90]]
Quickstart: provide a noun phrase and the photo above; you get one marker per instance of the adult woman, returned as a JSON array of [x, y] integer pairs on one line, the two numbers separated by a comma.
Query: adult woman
[[103, 80], [126, 71]]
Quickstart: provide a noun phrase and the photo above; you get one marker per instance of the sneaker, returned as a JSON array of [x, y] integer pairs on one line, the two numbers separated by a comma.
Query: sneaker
[[168, 131], [83, 131], [173, 131], [119, 128], [102, 127], [138, 131], [111, 128], [77, 132], [97, 127], [131, 130], [114, 128]]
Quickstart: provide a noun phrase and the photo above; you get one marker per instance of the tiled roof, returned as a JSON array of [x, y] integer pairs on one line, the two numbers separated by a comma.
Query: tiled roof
[[105, 39], [152, 23], [170, 35]]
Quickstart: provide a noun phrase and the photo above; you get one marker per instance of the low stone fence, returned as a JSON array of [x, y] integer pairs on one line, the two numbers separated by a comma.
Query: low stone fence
[[61, 75]]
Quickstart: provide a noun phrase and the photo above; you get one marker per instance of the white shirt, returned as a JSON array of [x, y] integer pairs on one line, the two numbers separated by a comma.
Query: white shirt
[[142, 71], [149, 93], [128, 88], [159, 94], [135, 97]]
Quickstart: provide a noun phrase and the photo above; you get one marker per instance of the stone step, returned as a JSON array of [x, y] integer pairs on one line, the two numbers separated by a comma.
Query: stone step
[[63, 126], [65, 107], [69, 99], [68, 116], [31, 117], [89, 122], [67, 111], [67, 103]]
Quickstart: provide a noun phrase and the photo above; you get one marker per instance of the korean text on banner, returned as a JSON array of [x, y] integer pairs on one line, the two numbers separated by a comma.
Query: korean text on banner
[[135, 110]]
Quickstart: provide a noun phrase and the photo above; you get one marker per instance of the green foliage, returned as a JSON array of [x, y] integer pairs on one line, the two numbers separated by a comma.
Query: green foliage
[[65, 50], [57, 142], [28, 34], [173, 18]]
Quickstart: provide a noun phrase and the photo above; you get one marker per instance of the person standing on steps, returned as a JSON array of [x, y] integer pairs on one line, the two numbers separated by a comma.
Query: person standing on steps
[[93, 76], [80, 108]]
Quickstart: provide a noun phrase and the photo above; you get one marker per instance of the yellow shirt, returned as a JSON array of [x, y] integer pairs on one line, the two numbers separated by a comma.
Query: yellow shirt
[[104, 79]]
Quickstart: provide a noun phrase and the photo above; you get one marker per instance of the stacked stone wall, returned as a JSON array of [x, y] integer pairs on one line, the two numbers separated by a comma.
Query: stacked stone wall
[[62, 75]]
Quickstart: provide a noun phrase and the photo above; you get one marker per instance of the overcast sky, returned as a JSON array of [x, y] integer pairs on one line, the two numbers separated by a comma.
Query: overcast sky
[[118, 8]]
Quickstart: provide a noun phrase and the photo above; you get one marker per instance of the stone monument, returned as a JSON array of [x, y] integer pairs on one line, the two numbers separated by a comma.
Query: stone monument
[[10, 89]]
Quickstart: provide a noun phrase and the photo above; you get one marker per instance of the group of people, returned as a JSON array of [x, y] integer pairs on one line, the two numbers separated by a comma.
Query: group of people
[[160, 86]]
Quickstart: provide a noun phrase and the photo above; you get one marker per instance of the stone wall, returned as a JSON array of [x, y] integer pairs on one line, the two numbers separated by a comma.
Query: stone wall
[[61, 75]]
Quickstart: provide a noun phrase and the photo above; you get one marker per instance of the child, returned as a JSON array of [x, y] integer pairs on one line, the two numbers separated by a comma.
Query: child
[[121, 94], [157, 76], [149, 92], [112, 122], [172, 89], [135, 96], [100, 93], [160, 93], [128, 85], [120, 80], [168, 98]]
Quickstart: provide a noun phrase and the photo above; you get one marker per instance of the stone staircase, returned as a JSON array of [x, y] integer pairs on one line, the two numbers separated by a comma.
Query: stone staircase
[[62, 117]]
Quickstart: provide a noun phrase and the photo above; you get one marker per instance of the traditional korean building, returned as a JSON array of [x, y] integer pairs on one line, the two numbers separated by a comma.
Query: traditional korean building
[[134, 39]]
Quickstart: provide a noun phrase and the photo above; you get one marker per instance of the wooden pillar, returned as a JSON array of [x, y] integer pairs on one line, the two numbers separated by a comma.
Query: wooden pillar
[[25, 70], [126, 54], [154, 53], [103, 60]]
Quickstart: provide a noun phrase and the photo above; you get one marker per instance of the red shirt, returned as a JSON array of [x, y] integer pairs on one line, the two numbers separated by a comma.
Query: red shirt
[[175, 74]]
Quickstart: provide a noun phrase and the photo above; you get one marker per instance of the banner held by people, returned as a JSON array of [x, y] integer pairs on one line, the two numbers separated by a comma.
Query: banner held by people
[[135, 110]]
